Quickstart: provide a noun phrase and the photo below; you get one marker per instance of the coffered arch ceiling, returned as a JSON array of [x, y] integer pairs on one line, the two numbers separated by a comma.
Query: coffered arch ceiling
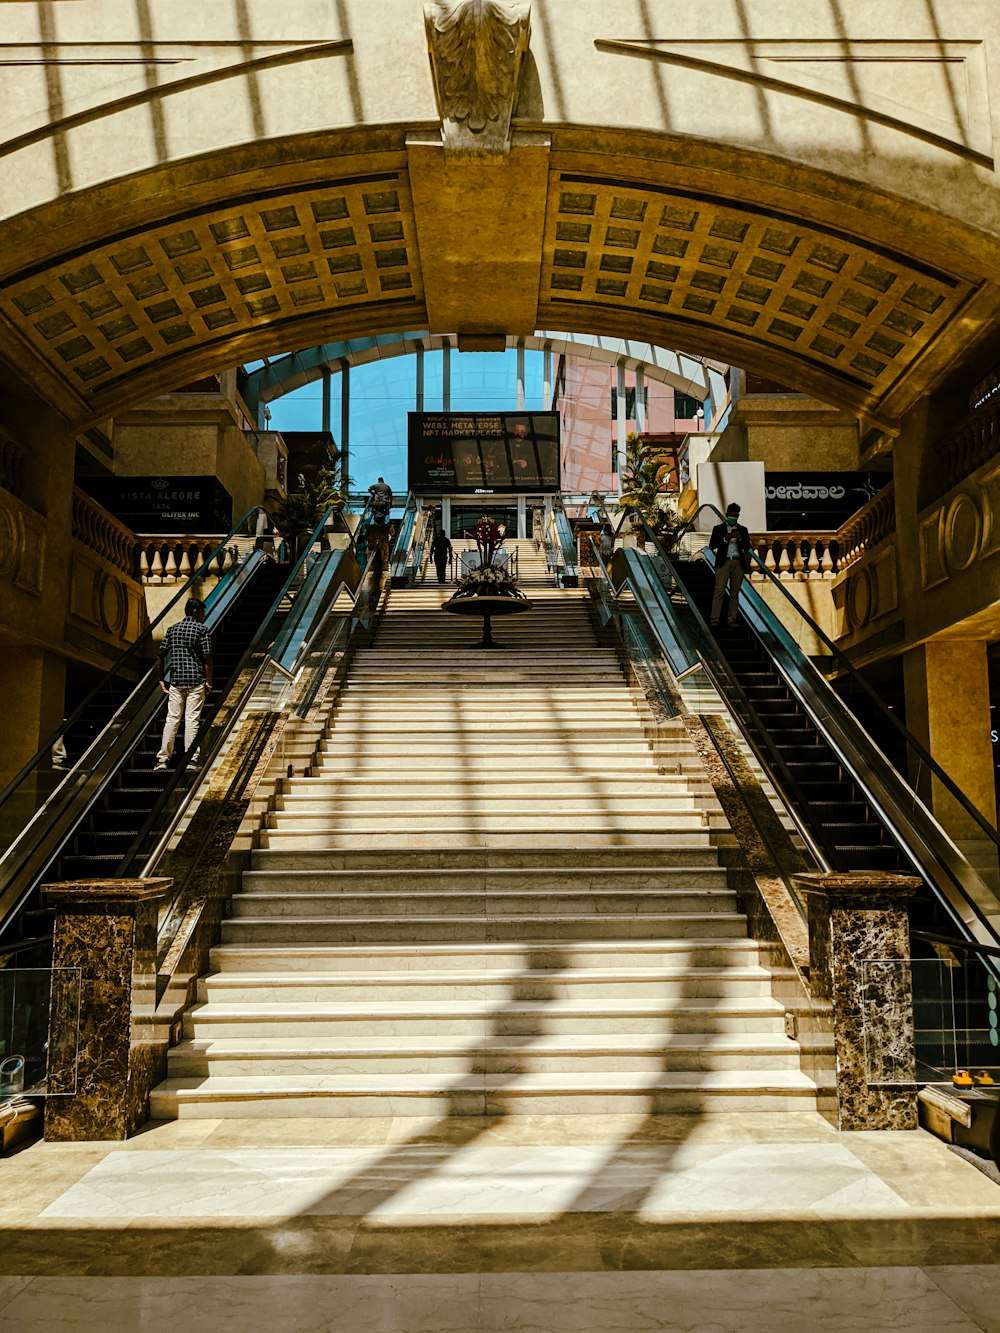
[[193, 267]]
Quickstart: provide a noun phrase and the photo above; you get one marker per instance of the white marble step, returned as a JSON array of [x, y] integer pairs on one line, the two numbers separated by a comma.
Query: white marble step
[[490, 903], [536, 861], [478, 1020], [398, 785], [584, 806], [349, 839], [486, 1094], [458, 928], [541, 984], [605, 824], [472, 881], [451, 1056], [319, 960]]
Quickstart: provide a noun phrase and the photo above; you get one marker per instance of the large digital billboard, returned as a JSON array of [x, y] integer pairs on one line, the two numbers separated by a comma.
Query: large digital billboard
[[483, 453]]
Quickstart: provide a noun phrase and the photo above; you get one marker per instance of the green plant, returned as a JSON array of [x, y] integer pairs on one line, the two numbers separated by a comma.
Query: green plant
[[300, 511], [645, 473]]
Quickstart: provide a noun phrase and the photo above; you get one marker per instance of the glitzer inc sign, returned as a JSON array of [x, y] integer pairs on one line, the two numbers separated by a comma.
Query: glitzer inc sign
[[483, 453], [162, 505]]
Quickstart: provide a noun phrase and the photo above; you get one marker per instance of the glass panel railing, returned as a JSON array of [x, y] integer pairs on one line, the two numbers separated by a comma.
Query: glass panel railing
[[305, 598], [668, 638], [39, 1031], [255, 735], [956, 1019], [564, 545]]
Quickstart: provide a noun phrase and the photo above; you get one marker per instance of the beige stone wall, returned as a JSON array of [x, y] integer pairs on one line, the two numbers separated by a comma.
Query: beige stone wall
[[789, 433], [190, 435]]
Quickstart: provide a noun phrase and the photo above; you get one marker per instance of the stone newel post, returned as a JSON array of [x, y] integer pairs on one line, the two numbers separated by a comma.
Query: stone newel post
[[106, 929], [859, 950]]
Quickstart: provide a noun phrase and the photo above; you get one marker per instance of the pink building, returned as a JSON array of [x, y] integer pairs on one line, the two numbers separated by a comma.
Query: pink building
[[585, 395]]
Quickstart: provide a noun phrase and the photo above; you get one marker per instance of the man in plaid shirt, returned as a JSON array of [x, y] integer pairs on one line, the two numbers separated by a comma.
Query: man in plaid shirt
[[186, 662]]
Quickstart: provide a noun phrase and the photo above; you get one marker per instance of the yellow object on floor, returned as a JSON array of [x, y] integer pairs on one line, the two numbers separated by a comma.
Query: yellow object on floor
[[962, 1078], [984, 1079]]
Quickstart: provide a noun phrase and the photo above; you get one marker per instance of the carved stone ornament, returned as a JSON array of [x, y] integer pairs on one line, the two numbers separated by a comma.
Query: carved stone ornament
[[477, 48]]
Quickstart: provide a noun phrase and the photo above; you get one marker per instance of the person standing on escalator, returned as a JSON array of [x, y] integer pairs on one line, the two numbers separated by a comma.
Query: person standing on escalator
[[185, 678], [730, 542]]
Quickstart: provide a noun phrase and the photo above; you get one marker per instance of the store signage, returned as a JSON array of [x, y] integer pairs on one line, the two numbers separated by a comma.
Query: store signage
[[483, 453], [163, 505], [799, 501]]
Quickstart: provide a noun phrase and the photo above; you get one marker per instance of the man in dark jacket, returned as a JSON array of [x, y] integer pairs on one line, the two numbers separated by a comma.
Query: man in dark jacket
[[730, 542], [441, 554]]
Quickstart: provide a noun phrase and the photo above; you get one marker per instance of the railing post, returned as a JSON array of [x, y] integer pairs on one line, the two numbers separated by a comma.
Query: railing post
[[859, 952], [107, 929]]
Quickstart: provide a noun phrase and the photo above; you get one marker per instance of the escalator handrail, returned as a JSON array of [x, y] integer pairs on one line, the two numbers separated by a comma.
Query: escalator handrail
[[845, 665], [564, 538], [724, 682], [211, 752], [144, 641], [256, 645], [913, 826], [40, 840]]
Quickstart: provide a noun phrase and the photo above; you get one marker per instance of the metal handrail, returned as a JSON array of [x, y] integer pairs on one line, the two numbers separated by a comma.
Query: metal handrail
[[726, 685], [131, 653], [923, 841], [845, 665], [265, 633]]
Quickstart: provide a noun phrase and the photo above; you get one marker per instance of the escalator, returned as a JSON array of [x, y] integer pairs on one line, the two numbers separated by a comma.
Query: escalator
[[99, 814], [832, 802], [856, 789], [100, 845]]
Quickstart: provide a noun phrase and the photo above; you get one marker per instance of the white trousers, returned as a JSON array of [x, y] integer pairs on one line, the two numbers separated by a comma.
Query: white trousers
[[184, 701]]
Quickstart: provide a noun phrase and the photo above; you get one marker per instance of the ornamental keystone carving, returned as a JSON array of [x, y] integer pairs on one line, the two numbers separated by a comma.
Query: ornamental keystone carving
[[477, 48]]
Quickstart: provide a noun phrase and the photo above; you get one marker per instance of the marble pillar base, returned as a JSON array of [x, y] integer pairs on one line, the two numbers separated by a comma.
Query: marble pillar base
[[106, 931], [859, 947]]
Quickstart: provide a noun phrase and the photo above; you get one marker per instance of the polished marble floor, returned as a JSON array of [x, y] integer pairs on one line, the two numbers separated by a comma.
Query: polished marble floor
[[709, 1223]]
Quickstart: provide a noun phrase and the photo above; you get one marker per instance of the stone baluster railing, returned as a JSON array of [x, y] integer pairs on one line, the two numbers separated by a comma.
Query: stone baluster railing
[[174, 559], [869, 527], [798, 555], [103, 533]]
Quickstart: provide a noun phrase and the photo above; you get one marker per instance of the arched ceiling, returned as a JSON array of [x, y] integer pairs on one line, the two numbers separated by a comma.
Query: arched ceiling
[[284, 374], [145, 307], [780, 188]]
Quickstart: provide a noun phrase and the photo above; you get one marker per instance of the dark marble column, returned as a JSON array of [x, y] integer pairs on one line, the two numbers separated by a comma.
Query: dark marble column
[[859, 950], [105, 933]]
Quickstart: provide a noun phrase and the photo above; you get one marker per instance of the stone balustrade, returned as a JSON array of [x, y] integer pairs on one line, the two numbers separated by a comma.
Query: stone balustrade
[[103, 534], [797, 555], [869, 527], [173, 559]]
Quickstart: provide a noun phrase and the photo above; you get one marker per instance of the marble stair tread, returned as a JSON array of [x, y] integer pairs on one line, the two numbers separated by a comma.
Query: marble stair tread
[[664, 824], [349, 839], [203, 1013], [469, 906], [439, 878], [387, 785], [604, 1043], [371, 958], [651, 858]]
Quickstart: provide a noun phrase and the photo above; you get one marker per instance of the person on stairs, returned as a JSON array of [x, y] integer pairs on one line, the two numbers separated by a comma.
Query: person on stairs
[[441, 554], [185, 678], [730, 541]]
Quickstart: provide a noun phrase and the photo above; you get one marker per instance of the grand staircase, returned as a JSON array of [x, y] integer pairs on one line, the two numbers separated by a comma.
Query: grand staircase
[[486, 898]]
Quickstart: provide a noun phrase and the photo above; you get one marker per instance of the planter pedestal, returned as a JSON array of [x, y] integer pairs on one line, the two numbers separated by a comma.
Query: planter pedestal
[[487, 606]]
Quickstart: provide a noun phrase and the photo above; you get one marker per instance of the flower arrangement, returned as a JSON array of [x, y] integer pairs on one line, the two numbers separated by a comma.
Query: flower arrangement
[[488, 579]]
